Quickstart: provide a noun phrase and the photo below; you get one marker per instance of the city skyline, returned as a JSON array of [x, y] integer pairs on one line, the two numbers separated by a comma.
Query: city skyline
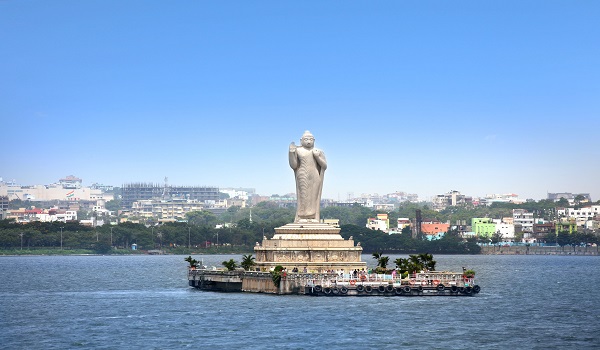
[[423, 97]]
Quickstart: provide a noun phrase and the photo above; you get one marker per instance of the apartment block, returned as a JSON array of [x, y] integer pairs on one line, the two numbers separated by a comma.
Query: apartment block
[[147, 191], [450, 199]]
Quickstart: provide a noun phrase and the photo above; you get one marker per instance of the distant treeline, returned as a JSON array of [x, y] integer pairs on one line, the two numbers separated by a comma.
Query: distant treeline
[[200, 230], [45, 235]]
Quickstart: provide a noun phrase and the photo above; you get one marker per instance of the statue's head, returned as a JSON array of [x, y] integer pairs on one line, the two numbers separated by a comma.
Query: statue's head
[[307, 140]]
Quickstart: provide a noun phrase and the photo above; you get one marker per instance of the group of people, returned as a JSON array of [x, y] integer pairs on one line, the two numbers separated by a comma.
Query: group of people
[[295, 270], [353, 274]]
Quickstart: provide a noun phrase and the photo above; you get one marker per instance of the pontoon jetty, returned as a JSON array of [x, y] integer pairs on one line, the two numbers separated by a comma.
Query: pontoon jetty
[[434, 283]]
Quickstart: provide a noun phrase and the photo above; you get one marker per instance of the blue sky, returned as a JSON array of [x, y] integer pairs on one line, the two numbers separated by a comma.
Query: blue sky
[[418, 96]]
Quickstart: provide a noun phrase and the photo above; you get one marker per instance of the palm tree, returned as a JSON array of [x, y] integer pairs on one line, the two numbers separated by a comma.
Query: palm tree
[[416, 263], [401, 264], [230, 265], [247, 262], [383, 261], [427, 261], [193, 262]]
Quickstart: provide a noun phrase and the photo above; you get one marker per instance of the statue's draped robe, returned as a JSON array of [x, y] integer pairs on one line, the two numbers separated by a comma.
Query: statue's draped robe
[[309, 182]]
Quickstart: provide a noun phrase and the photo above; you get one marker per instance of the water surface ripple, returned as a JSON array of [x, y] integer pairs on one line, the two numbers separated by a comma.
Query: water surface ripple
[[115, 302]]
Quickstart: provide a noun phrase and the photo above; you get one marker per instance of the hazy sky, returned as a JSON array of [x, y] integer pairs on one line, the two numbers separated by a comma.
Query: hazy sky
[[418, 96]]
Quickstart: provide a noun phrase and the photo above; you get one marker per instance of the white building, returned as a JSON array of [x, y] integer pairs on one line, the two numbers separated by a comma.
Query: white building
[[583, 216], [165, 210], [384, 207], [375, 224], [503, 198], [381, 222], [450, 199], [52, 192], [70, 182], [45, 215], [507, 230], [61, 216], [238, 193], [524, 218], [582, 213], [402, 223]]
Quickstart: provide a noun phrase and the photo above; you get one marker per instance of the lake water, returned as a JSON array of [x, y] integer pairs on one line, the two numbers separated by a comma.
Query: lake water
[[115, 302]]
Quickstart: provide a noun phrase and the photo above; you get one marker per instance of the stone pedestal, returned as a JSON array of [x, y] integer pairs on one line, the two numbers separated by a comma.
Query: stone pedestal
[[314, 246]]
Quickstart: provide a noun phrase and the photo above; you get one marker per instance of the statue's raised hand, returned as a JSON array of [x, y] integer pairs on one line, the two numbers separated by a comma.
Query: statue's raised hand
[[293, 147]]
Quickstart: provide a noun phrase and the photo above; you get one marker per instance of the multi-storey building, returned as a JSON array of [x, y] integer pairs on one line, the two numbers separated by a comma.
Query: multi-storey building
[[566, 225], [402, 223], [45, 215], [506, 230], [381, 222], [540, 231], [384, 207], [3, 206], [501, 198], [583, 216], [403, 197], [239, 193], [104, 188], [483, 227], [570, 197], [450, 199], [164, 210], [146, 191], [70, 182], [434, 228], [523, 218], [582, 213], [68, 189]]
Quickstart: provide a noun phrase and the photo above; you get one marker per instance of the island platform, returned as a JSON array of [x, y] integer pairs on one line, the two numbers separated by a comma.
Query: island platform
[[438, 283]]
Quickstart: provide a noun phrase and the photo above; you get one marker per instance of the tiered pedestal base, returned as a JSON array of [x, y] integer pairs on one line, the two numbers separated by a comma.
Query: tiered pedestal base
[[310, 247]]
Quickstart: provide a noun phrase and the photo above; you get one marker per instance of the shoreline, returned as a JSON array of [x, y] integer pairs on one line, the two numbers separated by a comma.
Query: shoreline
[[537, 250]]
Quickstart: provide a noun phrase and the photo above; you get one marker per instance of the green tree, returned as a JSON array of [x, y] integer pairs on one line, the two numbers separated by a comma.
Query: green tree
[[229, 215], [246, 224], [202, 218], [102, 247], [496, 237], [276, 275], [193, 262], [550, 237], [563, 238], [406, 230], [230, 264], [19, 203], [471, 246], [415, 263], [247, 262], [223, 195], [562, 202], [383, 261], [113, 205]]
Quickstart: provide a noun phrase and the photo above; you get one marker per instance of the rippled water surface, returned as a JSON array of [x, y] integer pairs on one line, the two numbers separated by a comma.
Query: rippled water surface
[[115, 302]]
